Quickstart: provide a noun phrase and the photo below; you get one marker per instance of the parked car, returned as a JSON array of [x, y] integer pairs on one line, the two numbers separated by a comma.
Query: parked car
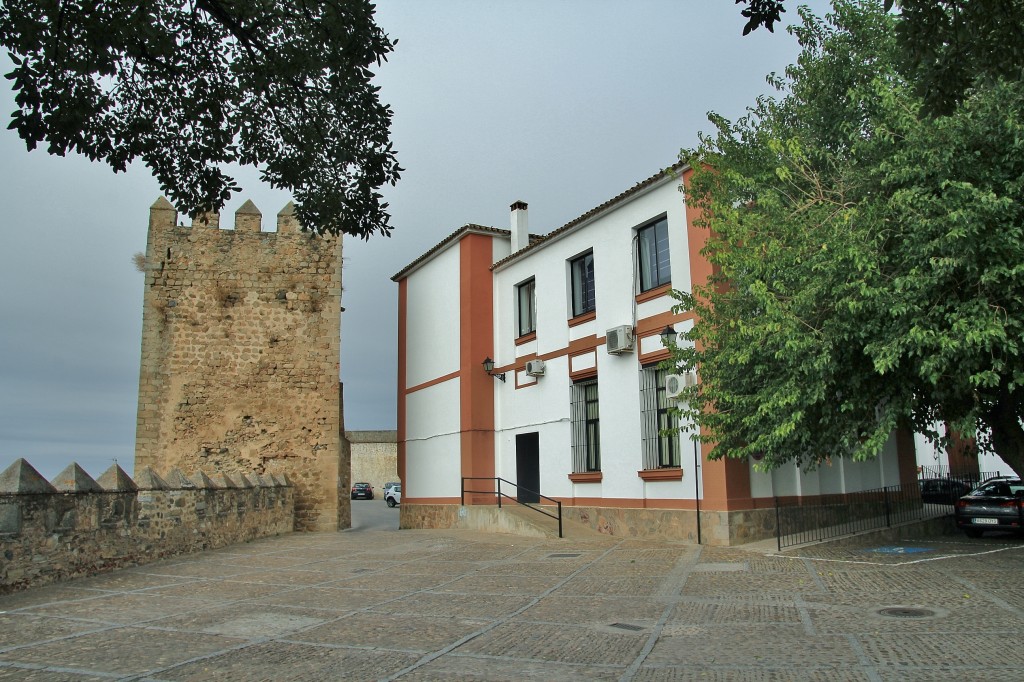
[[997, 504], [364, 490], [943, 490], [394, 495], [388, 486]]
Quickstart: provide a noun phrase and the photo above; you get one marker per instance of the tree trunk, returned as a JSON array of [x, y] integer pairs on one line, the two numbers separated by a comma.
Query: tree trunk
[[1007, 434]]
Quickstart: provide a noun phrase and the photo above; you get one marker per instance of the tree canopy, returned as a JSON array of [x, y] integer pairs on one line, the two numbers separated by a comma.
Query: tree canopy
[[188, 87], [868, 259], [946, 45]]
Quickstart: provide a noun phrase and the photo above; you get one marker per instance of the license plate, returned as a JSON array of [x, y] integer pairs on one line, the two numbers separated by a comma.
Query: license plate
[[986, 522]]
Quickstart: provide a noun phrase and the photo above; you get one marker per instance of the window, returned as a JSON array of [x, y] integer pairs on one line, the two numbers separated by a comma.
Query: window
[[659, 451], [586, 432], [582, 273], [526, 301], [652, 255]]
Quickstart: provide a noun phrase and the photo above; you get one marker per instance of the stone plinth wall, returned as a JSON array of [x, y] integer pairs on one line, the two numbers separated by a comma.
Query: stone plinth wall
[[717, 528], [429, 516], [240, 356], [48, 535], [374, 457]]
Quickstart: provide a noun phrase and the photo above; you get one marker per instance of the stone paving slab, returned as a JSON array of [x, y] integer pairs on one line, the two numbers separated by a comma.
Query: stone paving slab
[[482, 669], [117, 608], [452, 605], [558, 642], [291, 662], [120, 651], [596, 609]]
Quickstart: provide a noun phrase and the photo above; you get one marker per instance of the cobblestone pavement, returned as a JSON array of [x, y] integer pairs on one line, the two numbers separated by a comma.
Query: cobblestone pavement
[[436, 605]]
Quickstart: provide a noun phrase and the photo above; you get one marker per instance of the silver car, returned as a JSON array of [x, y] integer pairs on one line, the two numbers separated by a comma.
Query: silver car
[[996, 504]]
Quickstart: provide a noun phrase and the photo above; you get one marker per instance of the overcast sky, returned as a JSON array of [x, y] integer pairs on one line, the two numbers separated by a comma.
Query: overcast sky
[[562, 104]]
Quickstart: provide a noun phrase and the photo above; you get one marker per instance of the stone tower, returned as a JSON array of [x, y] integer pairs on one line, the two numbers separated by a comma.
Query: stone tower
[[240, 353]]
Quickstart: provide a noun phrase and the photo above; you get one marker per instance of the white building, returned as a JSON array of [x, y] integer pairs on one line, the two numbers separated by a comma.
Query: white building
[[572, 321]]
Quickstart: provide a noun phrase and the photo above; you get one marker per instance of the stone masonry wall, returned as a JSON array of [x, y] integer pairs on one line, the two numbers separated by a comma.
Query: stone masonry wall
[[374, 457], [77, 526], [240, 356], [677, 525]]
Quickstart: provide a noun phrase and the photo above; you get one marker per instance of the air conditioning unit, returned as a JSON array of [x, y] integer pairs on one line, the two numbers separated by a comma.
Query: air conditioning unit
[[535, 368], [675, 383], [619, 339]]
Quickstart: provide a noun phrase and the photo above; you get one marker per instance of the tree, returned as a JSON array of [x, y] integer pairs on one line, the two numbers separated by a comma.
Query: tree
[[188, 87], [946, 45], [868, 261], [761, 13]]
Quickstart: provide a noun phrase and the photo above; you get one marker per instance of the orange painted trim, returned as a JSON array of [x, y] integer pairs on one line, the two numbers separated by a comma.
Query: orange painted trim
[[656, 323], [403, 309], [582, 319], [476, 341], [906, 455], [526, 338], [667, 474], [536, 380], [725, 482], [630, 503], [583, 374], [433, 382], [577, 346], [627, 503], [656, 292], [586, 477]]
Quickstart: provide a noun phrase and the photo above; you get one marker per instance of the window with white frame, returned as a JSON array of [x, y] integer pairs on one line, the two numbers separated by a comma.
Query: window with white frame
[[652, 256], [586, 427], [581, 271], [659, 450], [526, 307]]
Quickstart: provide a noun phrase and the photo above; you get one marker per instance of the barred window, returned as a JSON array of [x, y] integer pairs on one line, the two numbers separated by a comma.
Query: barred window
[[658, 451], [586, 430]]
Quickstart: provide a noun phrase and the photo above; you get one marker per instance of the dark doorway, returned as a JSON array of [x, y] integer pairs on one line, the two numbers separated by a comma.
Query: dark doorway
[[528, 467]]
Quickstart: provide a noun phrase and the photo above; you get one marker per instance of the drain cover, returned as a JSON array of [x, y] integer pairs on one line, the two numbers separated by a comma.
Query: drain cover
[[627, 626], [562, 556], [905, 612]]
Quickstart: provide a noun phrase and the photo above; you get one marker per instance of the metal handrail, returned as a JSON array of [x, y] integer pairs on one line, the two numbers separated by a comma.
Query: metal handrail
[[498, 494]]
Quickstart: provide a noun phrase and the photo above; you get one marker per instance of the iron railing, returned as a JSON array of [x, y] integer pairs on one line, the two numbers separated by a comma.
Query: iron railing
[[944, 471], [499, 495], [823, 517]]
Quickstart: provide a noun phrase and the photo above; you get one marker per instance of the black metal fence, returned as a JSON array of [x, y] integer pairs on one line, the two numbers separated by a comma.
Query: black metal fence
[[933, 472], [823, 517]]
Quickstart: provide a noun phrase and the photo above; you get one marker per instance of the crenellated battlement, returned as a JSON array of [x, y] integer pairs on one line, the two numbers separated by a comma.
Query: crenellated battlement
[[248, 219], [76, 525], [241, 353]]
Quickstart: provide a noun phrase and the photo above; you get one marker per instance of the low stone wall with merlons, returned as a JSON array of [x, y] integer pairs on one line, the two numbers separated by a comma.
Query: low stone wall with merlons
[[77, 526]]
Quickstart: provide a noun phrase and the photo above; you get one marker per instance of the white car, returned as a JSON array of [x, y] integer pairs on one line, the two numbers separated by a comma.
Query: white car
[[393, 496]]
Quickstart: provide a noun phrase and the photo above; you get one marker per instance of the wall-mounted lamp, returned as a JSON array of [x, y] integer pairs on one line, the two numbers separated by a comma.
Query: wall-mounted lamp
[[489, 368], [668, 335]]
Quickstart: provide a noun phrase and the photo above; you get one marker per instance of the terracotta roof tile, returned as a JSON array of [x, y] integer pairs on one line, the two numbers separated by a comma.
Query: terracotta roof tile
[[660, 175], [535, 239], [470, 227]]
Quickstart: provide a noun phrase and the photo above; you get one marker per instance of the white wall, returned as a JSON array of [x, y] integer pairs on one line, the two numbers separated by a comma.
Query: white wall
[[432, 449], [432, 319], [545, 406], [930, 455]]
